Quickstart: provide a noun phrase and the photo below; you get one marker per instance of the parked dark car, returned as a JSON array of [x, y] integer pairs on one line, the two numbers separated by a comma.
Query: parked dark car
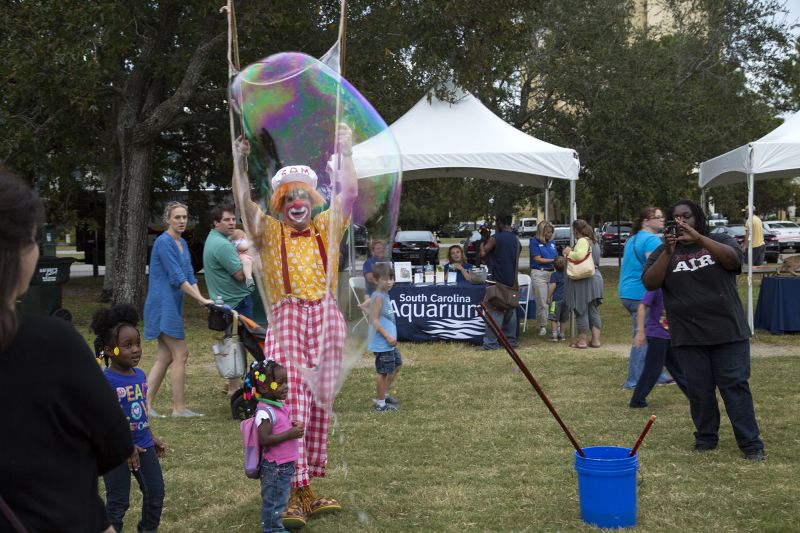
[[561, 235], [471, 247], [613, 236], [418, 247], [772, 250]]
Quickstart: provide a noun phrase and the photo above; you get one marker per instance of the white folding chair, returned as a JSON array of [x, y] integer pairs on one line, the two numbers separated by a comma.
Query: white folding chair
[[358, 283], [524, 282]]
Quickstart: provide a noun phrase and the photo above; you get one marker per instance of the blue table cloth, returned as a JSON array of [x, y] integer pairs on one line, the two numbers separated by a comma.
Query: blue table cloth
[[778, 308], [428, 312]]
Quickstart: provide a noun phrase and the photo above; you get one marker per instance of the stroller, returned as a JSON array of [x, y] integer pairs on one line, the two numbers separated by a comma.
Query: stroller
[[251, 335]]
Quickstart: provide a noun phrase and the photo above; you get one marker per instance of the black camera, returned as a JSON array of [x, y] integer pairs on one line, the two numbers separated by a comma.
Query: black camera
[[671, 228]]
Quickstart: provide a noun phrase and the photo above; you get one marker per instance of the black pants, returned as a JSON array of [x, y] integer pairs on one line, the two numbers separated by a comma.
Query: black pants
[[758, 255], [659, 355], [726, 367]]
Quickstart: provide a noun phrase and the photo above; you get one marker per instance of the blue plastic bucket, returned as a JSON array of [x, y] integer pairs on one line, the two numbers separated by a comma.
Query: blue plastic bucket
[[607, 486]]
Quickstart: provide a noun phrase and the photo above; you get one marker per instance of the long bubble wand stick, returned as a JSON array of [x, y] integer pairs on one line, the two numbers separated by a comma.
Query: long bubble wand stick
[[641, 437], [487, 317]]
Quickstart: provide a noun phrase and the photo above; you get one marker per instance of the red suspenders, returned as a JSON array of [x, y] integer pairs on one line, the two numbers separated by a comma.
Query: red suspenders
[[287, 286]]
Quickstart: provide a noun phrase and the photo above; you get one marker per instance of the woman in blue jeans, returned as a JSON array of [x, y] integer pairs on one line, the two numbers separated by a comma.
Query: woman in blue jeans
[[644, 238], [710, 335]]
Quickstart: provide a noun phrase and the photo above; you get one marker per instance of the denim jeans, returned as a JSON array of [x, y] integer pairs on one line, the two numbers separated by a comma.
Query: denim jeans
[[659, 355], [151, 483], [725, 367], [507, 320], [275, 487], [638, 355], [245, 307]]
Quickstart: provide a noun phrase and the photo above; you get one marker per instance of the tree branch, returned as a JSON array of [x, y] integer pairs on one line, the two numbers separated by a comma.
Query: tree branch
[[163, 115]]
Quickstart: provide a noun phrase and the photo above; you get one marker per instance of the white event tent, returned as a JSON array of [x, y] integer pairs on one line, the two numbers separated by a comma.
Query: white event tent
[[775, 155], [439, 139]]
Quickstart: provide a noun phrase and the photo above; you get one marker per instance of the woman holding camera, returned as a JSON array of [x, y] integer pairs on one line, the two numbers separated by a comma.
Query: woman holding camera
[[710, 336]]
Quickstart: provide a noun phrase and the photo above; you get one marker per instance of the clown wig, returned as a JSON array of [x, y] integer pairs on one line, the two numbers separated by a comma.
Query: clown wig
[[276, 202]]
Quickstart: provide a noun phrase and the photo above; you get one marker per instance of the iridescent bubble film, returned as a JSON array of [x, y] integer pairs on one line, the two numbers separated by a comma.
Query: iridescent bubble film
[[289, 106]]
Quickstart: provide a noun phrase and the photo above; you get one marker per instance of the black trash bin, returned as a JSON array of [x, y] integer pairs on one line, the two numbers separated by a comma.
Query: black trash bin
[[44, 294], [47, 241]]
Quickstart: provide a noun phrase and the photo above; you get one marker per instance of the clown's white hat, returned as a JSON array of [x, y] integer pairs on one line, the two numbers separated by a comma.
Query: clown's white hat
[[294, 173]]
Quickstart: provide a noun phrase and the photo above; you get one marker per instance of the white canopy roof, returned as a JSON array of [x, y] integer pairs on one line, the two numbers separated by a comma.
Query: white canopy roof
[[775, 155], [438, 139]]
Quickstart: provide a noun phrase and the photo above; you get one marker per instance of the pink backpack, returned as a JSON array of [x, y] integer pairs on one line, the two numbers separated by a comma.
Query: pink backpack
[[252, 449]]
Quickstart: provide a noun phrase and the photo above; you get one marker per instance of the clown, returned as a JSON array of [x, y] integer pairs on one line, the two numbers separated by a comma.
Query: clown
[[306, 329]]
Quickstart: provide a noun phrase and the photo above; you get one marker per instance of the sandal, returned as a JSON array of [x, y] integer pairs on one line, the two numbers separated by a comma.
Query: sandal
[[578, 346], [595, 345]]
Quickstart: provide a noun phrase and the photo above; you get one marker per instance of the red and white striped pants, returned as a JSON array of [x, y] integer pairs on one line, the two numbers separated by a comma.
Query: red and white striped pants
[[306, 338]]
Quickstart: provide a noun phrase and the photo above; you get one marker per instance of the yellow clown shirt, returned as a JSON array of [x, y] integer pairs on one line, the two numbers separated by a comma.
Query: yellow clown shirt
[[306, 272]]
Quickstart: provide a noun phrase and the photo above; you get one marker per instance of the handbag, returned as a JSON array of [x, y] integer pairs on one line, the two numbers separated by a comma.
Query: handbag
[[581, 269], [502, 297], [229, 355]]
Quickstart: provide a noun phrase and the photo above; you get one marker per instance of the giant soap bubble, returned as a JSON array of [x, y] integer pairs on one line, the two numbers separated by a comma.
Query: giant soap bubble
[[289, 106]]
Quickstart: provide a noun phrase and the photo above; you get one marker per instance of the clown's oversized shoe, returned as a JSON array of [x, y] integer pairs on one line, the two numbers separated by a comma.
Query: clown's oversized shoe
[[297, 510], [324, 505], [319, 506]]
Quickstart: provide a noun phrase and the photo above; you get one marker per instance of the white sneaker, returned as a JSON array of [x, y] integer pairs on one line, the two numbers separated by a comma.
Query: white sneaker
[[542, 331]]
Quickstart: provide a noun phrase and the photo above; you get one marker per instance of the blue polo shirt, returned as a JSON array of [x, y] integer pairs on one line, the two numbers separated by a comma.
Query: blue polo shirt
[[545, 250]]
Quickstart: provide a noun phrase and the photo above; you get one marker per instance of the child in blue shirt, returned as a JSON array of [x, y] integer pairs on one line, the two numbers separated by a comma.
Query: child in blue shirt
[[383, 337], [559, 312], [119, 344]]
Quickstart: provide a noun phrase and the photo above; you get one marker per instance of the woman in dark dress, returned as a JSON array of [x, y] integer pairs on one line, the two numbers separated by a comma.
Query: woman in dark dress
[[62, 425]]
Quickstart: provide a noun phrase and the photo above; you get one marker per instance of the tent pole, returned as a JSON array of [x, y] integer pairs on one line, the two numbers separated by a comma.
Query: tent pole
[[703, 200], [750, 247], [547, 186], [573, 208], [573, 214]]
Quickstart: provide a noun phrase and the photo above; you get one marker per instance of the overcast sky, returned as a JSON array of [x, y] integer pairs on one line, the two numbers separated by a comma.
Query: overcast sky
[[794, 12]]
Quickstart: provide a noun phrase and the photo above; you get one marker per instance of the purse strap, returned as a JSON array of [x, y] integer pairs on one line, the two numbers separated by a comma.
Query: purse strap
[[579, 261], [11, 517]]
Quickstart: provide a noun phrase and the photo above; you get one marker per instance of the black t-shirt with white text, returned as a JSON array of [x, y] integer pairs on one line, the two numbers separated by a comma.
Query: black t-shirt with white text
[[700, 296]]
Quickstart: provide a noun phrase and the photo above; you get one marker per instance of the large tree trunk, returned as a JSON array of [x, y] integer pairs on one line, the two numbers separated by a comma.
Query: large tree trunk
[[141, 117], [112, 181], [131, 219]]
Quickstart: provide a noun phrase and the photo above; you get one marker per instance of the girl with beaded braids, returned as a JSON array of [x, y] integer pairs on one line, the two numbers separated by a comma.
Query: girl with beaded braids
[[278, 436], [118, 343]]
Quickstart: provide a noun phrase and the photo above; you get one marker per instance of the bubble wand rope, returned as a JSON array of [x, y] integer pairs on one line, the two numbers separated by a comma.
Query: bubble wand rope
[[483, 311], [642, 436]]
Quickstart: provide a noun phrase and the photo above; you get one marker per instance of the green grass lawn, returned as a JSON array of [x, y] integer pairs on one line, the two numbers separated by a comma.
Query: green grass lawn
[[473, 448]]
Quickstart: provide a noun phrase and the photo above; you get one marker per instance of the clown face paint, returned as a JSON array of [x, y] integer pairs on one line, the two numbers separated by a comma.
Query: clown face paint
[[297, 209]]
